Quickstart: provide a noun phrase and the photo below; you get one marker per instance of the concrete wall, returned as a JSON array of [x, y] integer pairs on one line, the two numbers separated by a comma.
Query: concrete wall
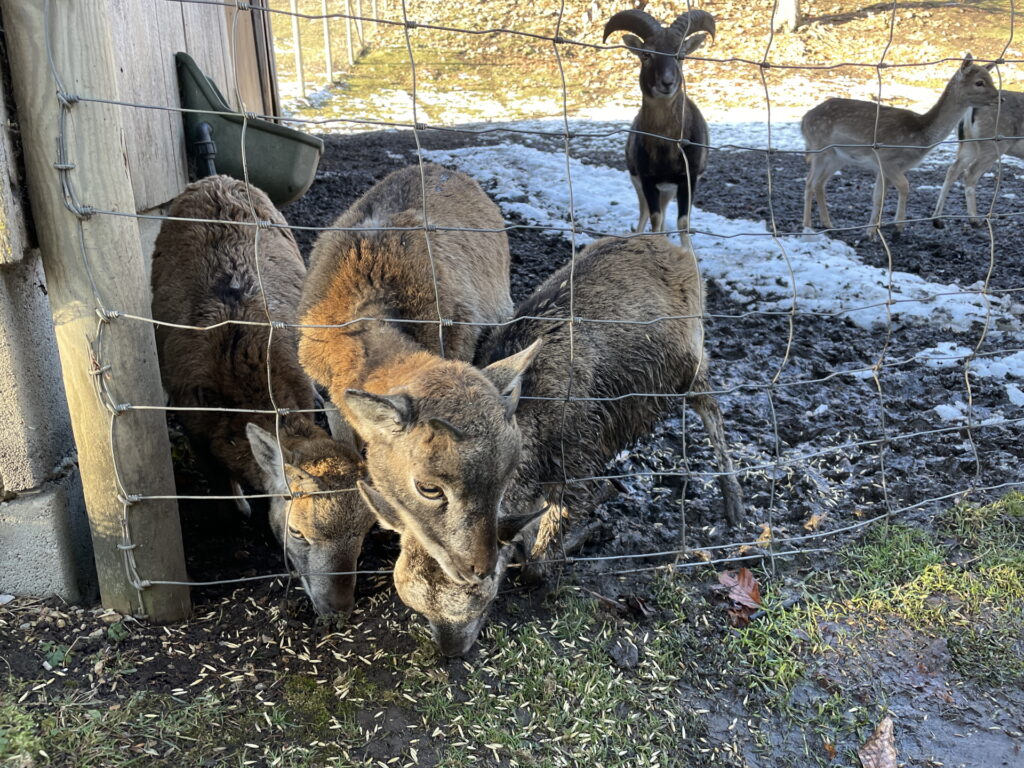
[[45, 547], [44, 534]]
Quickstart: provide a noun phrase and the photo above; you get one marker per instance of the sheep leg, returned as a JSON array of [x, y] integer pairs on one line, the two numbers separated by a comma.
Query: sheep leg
[[665, 194], [653, 198], [732, 495], [684, 197], [645, 212]]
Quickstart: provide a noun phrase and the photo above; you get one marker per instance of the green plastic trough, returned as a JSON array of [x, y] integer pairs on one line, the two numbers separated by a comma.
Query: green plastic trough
[[281, 161]]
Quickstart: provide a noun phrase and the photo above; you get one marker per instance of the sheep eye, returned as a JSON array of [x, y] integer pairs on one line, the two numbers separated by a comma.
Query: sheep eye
[[432, 492], [295, 533]]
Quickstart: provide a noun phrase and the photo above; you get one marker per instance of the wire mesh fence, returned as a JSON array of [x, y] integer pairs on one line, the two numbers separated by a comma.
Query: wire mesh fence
[[978, 333]]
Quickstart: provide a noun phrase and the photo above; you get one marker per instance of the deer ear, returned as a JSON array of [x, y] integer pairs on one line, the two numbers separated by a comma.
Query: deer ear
[[968, 61], [990, 66], [378, 415], [385, 513], [692, 43], [267, 452], [507, 375]]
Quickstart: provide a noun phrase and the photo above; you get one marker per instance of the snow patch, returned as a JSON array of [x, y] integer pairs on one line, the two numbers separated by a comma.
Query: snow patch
[[760, 270]]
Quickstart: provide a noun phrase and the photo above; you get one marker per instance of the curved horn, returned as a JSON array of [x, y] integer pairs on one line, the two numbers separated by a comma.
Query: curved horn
[[634, 20], [692, 22]]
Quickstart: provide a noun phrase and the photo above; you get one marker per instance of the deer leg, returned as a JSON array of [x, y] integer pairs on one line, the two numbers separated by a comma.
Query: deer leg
[[952, 174], [732, 496], [809, 194], [903, 191], [985, 157], [645, 213], [877, 200]]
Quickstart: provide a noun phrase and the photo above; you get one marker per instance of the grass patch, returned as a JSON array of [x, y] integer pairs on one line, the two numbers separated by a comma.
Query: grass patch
[[964, 582]]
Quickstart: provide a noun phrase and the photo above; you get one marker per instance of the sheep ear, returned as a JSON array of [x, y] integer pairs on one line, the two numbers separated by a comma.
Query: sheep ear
[[385, 513], [378, 415], [507, 375], [267, 452], [634, 43], [692, 43]]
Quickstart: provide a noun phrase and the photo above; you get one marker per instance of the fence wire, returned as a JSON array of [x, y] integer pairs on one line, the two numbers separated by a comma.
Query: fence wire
[[775, 382]]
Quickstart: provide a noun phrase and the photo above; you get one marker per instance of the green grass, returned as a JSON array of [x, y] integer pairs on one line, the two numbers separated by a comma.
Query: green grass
[[963, 582], [545, 691]]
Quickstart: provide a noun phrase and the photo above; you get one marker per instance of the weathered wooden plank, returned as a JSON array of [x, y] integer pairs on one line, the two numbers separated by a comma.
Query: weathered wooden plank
[[207, 41], [13, 240], [137, 450], [146, 35]]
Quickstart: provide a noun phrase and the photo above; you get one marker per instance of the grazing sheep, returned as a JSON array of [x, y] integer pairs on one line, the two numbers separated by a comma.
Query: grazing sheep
[[412, 397], [615, 367], [205, 274]]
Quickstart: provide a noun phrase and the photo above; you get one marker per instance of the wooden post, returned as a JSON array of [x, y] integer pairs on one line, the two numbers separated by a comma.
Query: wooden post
[[348, 32], [297, 43], [80, 40], [328, 58]]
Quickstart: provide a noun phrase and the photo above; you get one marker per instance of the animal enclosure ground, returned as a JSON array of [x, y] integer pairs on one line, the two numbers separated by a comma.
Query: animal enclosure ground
[[920, 617]]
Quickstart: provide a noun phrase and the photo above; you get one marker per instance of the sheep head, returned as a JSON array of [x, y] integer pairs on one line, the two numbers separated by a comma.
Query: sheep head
[[660, 48]]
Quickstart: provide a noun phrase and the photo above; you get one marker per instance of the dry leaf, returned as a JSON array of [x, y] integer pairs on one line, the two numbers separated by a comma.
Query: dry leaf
[[830, 749], [814, 521], [879, 751], [745, 594], [766, 535]]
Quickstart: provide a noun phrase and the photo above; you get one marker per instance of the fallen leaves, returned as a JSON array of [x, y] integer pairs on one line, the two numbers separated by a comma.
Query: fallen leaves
[[814, 522], [744, 594], [830, 749], [879, 751]]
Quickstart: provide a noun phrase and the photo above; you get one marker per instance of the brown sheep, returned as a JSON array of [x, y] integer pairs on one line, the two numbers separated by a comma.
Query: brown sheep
[[411, 398], [206, 274], [659, 349]]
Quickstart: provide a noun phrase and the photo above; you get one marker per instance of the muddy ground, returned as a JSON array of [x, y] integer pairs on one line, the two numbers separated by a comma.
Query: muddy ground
[[896, 456]]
